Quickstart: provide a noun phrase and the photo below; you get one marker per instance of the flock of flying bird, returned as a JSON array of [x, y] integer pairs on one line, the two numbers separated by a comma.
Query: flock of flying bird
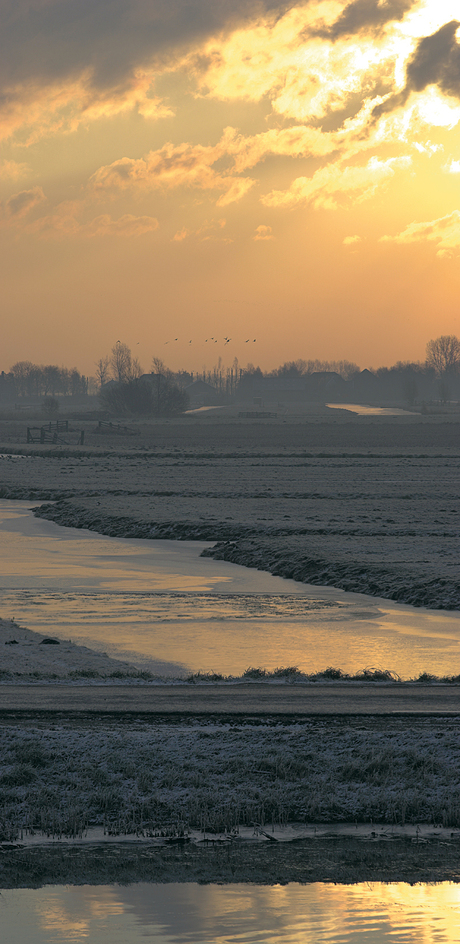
[[216, 340]]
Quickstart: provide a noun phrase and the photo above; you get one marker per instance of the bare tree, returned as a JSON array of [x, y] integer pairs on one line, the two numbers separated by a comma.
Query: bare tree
[[159, 367], [23, 373], [443, 354], [102, 371], [124, 366]]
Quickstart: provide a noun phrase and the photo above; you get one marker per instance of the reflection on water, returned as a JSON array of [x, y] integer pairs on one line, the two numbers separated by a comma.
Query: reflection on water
[[211, 914], [160, 605], [363, 410]]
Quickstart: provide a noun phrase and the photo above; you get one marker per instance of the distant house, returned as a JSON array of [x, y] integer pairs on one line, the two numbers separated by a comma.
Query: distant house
[[266, 389], [326, 385], [201, 394], [7, 387], [366, 385]]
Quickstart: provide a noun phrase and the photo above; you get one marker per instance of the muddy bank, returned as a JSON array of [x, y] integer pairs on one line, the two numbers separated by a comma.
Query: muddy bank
[[285, 557], [334, 860], [322, 557]]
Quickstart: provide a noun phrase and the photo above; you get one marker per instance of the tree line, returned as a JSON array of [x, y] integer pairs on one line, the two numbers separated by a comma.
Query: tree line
[[131, 391], [124, 388], [38, 380]]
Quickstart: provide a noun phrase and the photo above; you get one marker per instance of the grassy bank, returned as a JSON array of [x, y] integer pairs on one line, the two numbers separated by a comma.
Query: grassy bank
[[165, 778]]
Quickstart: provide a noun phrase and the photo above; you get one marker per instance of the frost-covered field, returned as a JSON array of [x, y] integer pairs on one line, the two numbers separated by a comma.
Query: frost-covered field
[[371, 507], [165, 778]]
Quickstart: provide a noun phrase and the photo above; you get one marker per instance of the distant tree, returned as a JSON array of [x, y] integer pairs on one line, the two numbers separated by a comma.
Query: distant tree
[[102, 371], [52, 380], [134, 396], [443, 354], [78, 383], [168, 397], [50, 406], [158, 395], [26, 378], [159, 367], [34, 380], [124, 366], [300, 368]]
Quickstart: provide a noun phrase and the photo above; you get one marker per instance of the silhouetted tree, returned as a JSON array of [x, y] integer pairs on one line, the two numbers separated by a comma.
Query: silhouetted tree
[[125, 367], [102, 371], [156, 395], [443, 354]]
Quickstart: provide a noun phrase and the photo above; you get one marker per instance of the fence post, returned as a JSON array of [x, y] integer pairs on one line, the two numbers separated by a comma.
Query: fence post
[[42, 435]]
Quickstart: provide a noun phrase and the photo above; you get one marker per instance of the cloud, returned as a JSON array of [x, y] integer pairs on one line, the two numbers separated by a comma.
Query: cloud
[[305, 77], [236, 189], [263, 233], [452, 168], [61, 38], [444, 231], [435, 61], [36, 111], [127, 225], [366, 14], [13, 170], [181, 235], [65, 221], [183, 165], [296, 141], [329, 184], [209, 231], [352, 240], [19, 204], [99, 56]]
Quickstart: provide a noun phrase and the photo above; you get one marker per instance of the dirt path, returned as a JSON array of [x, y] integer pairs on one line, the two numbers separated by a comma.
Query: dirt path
[[255, 699]]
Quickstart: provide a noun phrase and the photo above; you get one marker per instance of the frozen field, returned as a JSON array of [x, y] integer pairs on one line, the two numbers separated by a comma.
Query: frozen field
[[369, 505]]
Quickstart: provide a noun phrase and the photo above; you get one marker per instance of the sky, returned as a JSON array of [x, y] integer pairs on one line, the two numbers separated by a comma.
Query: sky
[[207, 179]]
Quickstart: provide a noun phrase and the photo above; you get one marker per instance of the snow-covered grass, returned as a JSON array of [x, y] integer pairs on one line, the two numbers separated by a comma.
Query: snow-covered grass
[[165, 778]]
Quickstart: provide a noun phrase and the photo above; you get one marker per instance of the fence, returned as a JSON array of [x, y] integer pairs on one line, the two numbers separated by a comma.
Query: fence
[[105, 427], [50, 434]]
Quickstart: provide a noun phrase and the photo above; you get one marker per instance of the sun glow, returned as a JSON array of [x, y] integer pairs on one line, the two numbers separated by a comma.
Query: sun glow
[[327, 109]]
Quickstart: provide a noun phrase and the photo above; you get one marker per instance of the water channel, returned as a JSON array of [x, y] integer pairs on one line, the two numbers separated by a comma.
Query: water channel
[[365, 913], [161, 606]]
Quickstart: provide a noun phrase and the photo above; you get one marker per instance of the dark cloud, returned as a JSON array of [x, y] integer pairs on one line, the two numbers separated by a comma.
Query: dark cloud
[[48, 40], [20, 203], [366, 14], [436, 61]]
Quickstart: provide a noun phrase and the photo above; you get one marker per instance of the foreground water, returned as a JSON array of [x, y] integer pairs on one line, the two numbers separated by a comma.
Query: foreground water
[[368, 913], [162, 606]]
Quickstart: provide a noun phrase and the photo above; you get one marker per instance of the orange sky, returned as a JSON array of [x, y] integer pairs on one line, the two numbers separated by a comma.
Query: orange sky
[[285, 172]]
